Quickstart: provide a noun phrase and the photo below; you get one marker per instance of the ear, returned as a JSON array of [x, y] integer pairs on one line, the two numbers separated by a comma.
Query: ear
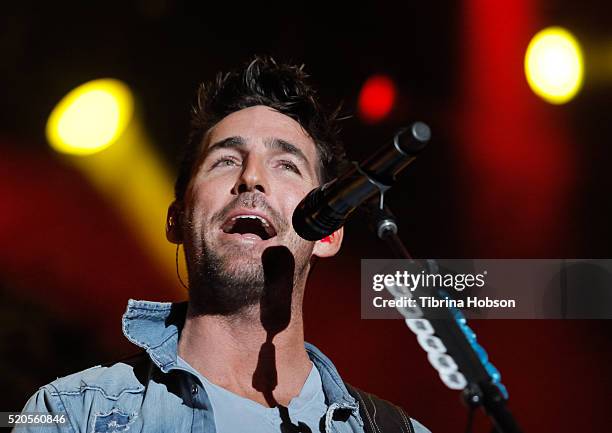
[[330, 245], [174, 222]]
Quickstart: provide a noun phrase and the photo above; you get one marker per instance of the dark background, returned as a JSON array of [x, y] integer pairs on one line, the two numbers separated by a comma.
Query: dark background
[[506, 176]]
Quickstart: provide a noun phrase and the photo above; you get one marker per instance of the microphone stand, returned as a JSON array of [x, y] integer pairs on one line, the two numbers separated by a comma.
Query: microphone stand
[[483, 387]]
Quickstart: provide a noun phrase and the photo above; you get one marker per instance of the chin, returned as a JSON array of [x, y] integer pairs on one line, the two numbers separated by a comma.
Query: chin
[[244, 260]]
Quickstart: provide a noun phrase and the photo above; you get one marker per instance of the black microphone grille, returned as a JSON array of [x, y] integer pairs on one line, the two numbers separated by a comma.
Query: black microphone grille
[[313, 219]]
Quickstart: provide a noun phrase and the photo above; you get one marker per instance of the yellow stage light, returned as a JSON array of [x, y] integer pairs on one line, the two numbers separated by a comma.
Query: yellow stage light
[[554, 65], [91, 117], [102, 114]]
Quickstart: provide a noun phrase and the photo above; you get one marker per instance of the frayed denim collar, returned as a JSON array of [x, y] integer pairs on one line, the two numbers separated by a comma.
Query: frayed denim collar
[[156, 327]]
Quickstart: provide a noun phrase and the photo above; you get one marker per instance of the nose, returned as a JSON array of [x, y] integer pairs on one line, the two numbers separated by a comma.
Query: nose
[[252, 177]]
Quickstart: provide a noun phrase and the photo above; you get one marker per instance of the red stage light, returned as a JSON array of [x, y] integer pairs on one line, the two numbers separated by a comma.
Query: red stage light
[[377, 98]]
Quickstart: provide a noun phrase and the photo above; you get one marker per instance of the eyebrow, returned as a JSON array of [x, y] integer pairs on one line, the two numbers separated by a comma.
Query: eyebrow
[[286, 147], [235, 142]]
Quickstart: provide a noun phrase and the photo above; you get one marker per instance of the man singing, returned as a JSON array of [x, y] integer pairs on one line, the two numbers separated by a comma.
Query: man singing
[[233, 358]]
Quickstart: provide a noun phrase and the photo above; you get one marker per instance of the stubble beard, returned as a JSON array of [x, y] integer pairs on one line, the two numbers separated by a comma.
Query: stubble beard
[[230, 280], [217, 286]]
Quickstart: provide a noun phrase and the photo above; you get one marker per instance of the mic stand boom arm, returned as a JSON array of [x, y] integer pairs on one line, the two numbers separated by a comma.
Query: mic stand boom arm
[[461, 362]]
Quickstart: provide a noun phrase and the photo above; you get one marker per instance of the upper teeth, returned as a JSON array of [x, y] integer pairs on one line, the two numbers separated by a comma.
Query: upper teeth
[[263, 221]]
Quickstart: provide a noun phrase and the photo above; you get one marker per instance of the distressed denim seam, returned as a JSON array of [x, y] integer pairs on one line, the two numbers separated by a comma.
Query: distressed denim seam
[[126, 326], [134, 303], [61, 404], [101, 390]]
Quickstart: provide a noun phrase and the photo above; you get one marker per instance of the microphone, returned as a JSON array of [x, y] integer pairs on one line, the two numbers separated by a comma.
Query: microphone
[[325, 209]]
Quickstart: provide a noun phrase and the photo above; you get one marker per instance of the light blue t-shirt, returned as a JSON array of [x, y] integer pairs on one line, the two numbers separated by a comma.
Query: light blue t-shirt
[[232, 412]]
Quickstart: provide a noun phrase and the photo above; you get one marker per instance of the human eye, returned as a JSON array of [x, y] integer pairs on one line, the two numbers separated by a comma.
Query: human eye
[[288, 165], [224, 161]]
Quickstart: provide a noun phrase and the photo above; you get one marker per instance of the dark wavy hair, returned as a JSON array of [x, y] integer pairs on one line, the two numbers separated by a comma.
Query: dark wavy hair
[[262, 81]]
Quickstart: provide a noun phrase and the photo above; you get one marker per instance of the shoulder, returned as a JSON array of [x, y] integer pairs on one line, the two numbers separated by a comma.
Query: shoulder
[[380, 415], [97, 391], [111, 381]]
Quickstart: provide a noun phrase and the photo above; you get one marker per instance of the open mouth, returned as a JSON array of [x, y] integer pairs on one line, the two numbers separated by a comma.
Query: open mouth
[[249, 224]]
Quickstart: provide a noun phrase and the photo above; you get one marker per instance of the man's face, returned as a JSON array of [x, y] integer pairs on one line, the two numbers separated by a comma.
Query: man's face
[[256, 166]]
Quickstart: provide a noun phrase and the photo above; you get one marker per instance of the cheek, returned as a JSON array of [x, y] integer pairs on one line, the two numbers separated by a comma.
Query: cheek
[[292, 196], [208, 192], [201, 210]]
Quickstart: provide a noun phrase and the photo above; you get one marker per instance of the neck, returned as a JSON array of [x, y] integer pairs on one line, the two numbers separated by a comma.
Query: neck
[[240, 354]]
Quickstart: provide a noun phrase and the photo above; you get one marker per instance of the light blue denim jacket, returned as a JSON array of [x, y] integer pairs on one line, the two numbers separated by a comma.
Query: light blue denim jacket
[[167, 398]]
